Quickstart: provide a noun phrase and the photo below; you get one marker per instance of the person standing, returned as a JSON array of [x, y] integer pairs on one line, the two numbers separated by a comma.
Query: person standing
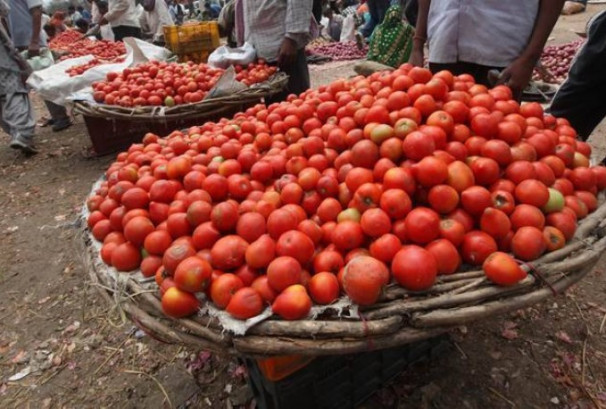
[[153, 19], [122, 17], [475, 38], [580, 99], [85, 13], [73, 15], [16, 111], [25, 22], [279, 31], [377, 10]]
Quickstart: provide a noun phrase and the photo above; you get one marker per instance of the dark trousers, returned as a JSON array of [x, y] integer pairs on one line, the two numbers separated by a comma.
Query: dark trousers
[[126, 31], [479, 72], [581, 98], [377, 10], [58, 113], [298, 78]]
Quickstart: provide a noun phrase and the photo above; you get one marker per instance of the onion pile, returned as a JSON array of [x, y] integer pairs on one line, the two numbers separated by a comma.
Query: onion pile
[[340, 51], [556, 59]]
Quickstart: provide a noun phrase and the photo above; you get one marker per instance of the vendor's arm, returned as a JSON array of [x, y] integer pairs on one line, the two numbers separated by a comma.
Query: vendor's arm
[[420, 37], [117, 9], [298, 25], [519, 72], [35, 9]]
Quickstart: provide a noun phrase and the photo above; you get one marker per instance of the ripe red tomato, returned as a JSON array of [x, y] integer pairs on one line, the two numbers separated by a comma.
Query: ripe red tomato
[[223, 288], [502, 269], [323, 287], [446, 255], [477, 246], [414, 268], [178, 303], [528, 243], [422, 225], [245, 303], [293, 303], [193, 274], [126, 257], [364, 278], [228, 252]]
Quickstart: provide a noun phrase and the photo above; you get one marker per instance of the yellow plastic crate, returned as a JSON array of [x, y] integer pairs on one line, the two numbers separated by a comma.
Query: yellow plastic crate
[[192, 39]]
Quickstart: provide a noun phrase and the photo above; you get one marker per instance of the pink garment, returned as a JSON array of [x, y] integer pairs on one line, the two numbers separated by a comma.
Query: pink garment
[[239, 22]]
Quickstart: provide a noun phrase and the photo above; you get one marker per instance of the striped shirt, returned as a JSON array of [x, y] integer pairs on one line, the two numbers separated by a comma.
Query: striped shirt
[[267, 22]]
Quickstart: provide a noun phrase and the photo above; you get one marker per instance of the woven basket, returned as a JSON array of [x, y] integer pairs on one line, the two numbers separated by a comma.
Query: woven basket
[[211, 107], [401, 317]]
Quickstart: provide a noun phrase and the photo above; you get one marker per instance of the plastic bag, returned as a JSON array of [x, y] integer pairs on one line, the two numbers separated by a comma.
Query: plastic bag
[[39, 62], [348, 31], [225, 56], [55, 85], [226, 85]]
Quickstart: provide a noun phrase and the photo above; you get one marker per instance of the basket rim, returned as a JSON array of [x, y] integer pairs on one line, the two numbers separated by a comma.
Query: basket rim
[[402, 317]]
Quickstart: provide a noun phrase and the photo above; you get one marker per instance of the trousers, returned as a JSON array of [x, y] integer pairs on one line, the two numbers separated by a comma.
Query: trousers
[[580, 99], [17, 116]]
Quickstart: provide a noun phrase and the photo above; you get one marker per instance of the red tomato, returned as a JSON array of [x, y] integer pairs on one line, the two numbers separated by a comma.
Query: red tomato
[[446, 255], [528, 243], [223, 288], [364, 278], [422, 225], [414, 268], [293, 303], [178, 303], [245, 303], [477, 246], [502, 269], [193, 274], [323, 287]]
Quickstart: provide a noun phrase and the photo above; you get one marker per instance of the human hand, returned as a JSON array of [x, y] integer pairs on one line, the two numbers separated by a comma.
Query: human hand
[[33, 50], [287, 54], [517, 76], [417, 57]]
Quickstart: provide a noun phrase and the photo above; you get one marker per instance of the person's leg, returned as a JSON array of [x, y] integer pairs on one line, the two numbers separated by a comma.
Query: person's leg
[[59, 116], [581, 98], [298, 79], [369, 27], [19, 118]]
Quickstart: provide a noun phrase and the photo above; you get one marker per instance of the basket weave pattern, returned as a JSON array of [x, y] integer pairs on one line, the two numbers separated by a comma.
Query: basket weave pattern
[[400, 317]]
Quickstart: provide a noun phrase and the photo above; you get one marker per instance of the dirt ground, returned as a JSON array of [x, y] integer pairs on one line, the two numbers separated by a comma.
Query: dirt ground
[[62, 346]]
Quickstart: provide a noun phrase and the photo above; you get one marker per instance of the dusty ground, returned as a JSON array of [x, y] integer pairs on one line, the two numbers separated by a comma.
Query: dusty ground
[[62, 346]]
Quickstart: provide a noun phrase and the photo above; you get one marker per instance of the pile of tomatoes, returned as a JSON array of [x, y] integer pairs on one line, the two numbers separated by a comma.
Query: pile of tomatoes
[[168, 84], [65, 40], [397, 177], [82, 68], [74, 45], [254, 73]]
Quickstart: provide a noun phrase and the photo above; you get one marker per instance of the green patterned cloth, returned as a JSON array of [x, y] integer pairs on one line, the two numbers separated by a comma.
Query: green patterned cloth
[[391, 42]]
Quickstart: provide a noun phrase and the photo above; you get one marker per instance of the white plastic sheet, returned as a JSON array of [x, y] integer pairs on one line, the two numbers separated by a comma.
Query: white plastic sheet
[[55, 85], [224, 56]]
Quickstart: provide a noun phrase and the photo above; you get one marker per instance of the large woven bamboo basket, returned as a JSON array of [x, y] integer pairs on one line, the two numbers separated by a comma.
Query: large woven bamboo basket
[[401, 316], [208, 108]]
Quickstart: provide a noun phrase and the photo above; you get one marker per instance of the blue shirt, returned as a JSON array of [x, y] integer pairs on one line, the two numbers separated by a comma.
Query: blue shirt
[[20, 22]]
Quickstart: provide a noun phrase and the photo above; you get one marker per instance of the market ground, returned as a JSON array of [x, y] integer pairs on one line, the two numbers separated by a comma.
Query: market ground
[[61, 345]]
